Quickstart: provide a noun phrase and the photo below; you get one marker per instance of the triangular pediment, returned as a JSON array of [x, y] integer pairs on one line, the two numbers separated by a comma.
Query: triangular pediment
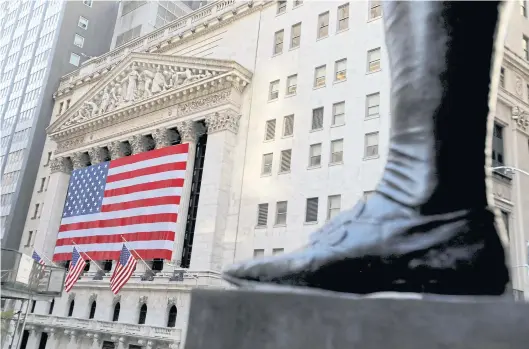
[[141, 77]]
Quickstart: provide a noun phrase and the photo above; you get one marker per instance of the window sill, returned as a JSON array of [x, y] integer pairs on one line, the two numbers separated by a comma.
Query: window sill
[[277, 54], [372, 117], [266, 175], [371, 157], [292, 95], [373, 19], [313, 167], [316, 129], [283, 172], [269, 140], [323, 37], [33, 218], [373, 72], [342, 30], [339, 81], [279, 225], [287, 136], [335, 163], [261, 227], [273, 100], [40, 191], [318, 87], [281, 13], [293, 48], [337, 125], [310, 223], [298, 5]]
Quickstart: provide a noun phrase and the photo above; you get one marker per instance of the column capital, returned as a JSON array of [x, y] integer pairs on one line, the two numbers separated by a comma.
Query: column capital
[[79, 160], [221, 121], [164, 137], [97, 155], [139, 144], [187, 130], [117, 150], [61, 164]]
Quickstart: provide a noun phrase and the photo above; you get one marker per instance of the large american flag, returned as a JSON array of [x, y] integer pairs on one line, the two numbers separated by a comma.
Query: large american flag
[[133, 199], [76, 268], [123, 271]]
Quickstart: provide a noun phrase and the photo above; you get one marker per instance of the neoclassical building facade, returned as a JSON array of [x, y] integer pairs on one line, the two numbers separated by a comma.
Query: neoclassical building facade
[[285, 107]]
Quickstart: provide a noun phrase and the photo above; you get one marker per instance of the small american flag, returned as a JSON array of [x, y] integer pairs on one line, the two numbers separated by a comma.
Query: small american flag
[[123, 271], [136, 197], [37, 258], [76, 268]]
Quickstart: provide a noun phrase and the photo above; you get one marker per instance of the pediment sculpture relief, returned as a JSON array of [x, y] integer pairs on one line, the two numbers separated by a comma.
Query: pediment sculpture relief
[[137, 82]]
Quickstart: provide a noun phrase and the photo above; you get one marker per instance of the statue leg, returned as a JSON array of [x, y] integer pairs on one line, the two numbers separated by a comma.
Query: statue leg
[[427, 228]]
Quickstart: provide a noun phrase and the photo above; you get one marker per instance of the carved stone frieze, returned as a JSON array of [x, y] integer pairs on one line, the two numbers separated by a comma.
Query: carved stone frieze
[[80, 160], [142, 300], [69, 144], [97, 155], [203, 103], [61, 164], [117, 150], [221, 121], [521, 118], [138, 82]]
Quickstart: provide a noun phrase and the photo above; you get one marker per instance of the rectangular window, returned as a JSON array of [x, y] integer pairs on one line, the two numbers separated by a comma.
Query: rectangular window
[[372, 105], [373, 60], [74, 59], [286, 157], [267, 164], [371, 145], [319, 76], [292, 85], [281, 7], [334, 205], [505, 218], [278, 251], [60, 107], [323, 25], [298, 3], [338, 114], [315, 155], [288, 125], [78, 40], [258, 253], [340, 70], [278, 41], [274, 90], [281, 212], [317, 119], [337, 151], [36, 212], [262, 215], [523, 8], [67, 104], [30, 236], [375, 9], [270, 131], [525, 47], [48, 159], [343, 17], [311, 212], [88, 2], [497, 146], [82, 23], [295, 35], [502, 77], [42, 183]]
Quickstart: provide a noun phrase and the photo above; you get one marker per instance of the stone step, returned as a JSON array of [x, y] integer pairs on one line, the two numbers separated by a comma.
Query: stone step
[[242, 319]]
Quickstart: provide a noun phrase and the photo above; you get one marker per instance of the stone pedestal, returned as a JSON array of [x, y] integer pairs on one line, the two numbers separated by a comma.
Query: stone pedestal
[[274, 320]]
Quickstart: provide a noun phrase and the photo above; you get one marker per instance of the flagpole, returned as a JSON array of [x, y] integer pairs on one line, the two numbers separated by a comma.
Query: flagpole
[[137, 254], [98, 267]]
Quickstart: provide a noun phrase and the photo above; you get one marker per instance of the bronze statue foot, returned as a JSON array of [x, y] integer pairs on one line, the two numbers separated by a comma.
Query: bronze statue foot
[[457, 253]]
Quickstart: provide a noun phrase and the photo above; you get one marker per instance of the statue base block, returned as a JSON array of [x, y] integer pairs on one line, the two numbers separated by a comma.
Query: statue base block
[[242, 319]]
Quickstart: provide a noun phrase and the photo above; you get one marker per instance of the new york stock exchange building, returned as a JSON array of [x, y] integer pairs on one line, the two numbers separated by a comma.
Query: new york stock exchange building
[[278, 112]]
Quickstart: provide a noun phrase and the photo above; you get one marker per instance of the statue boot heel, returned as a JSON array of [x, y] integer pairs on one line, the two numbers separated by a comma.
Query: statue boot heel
[[427, 228]]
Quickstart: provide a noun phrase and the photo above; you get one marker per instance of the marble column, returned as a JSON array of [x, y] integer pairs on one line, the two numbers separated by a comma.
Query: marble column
[[80, 160], [163, 137], [97, 155], [96, 341], [53, 339], [50, 218], [188, 131], [213, 207], [117, 150], [33, 339], [139, 144]]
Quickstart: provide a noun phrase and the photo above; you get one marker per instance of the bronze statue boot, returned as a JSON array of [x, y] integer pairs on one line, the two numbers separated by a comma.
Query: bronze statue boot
[[427, 228]]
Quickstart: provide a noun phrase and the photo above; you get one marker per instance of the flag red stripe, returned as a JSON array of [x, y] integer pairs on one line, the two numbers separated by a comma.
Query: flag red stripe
[[163, 200], [119, 222], [127, 160], [116, 272], [107, 239], [173, 166], [114, 255], [166, 183], [124, 275]]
